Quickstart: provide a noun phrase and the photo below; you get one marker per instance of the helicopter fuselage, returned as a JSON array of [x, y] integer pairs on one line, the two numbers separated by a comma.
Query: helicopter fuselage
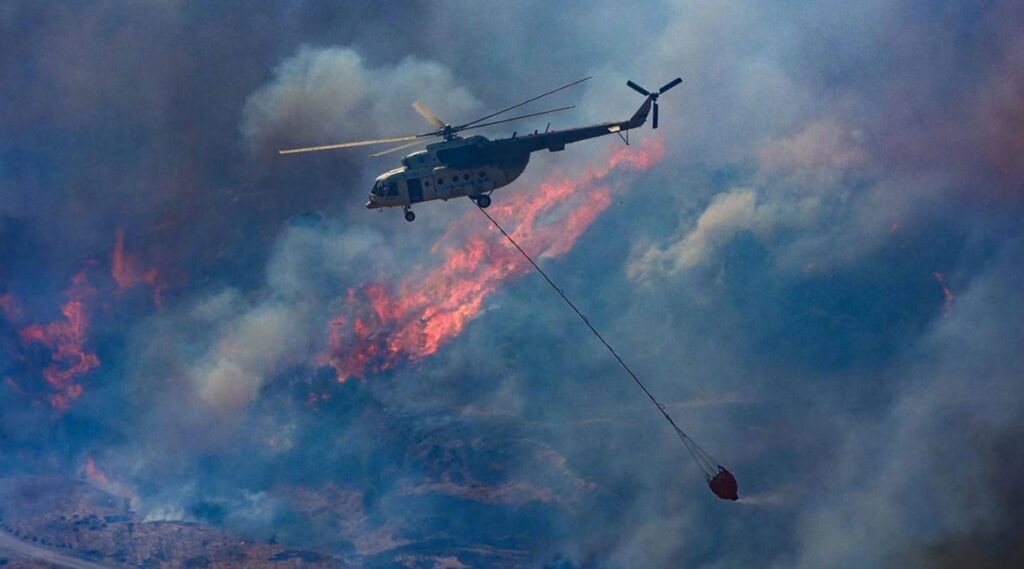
[[476, 166], [449, 169]]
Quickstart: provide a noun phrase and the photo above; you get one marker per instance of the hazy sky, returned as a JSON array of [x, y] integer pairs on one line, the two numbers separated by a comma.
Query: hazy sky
[[816, 261]]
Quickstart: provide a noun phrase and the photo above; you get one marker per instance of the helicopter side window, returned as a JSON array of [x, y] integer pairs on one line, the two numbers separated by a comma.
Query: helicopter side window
[[392, 189], [440, 181]]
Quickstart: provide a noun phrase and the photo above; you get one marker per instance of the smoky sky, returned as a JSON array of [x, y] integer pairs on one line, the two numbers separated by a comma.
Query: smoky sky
[[821, 278]]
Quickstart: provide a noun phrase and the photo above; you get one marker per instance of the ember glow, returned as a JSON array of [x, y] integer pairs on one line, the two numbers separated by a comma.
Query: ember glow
[[65, 341], [380, 326], [127, 274], [947, 294]]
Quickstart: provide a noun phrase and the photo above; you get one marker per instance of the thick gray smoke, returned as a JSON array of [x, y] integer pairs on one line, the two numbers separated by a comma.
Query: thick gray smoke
[[821, 279], [328, 95]]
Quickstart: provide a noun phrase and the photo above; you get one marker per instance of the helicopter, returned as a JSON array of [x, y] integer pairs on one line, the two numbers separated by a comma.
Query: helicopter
[[475, 166]]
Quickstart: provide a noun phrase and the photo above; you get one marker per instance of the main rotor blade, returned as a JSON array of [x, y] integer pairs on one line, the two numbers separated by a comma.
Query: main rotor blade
[[670, 84], [396, 148], [427, 114], [638, 88], [577, 82], [519, 117], [352, 144]]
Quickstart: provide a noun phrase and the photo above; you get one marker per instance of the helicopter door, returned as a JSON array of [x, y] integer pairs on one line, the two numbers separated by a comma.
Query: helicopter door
[[415, 190]]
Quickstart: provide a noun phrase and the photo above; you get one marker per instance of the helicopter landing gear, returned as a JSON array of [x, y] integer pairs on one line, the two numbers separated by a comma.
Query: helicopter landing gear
[[482, 200], [409, 215]]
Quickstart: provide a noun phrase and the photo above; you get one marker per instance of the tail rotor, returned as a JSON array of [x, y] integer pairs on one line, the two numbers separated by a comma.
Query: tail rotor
[[654, 96]]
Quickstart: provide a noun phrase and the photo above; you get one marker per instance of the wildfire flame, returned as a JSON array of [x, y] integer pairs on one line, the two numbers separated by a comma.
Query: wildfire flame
[[94, 474], [947, 294], [13, 385], [65, 340], [8, 306], [98, 478], [126, 272], [379, 328]]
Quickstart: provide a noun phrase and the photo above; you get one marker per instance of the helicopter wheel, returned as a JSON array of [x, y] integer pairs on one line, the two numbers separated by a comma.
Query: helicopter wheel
[[409, 215], [483, 201]]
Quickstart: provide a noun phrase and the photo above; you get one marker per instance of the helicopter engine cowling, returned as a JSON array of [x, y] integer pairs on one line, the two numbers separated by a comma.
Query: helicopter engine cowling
[[477, 168]]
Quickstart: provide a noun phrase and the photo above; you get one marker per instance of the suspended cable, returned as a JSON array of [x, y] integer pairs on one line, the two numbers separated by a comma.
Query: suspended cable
[[704, 460]]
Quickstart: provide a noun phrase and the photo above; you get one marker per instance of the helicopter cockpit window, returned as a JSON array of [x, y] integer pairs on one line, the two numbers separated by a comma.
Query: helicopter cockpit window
[[392, 189], [378, 189]]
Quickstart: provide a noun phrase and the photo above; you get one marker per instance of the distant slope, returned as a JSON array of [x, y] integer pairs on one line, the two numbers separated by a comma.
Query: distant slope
[[41, 515], [9, 543]]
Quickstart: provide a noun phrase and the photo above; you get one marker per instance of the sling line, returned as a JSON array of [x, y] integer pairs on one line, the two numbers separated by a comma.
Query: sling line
[[704, 460]]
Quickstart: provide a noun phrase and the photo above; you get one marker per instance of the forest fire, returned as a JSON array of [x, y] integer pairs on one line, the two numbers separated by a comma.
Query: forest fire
[[65, 342], [380, 327]]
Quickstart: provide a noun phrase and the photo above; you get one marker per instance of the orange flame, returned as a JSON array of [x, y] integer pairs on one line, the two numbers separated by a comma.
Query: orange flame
[[377, 329], [65, 341], [127, 274], [94, 474], [99, 478]]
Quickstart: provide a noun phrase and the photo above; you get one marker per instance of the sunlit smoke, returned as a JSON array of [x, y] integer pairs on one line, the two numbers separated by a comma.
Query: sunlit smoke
[[767, 499], [65, 341], [127, 274], [381, 326]]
